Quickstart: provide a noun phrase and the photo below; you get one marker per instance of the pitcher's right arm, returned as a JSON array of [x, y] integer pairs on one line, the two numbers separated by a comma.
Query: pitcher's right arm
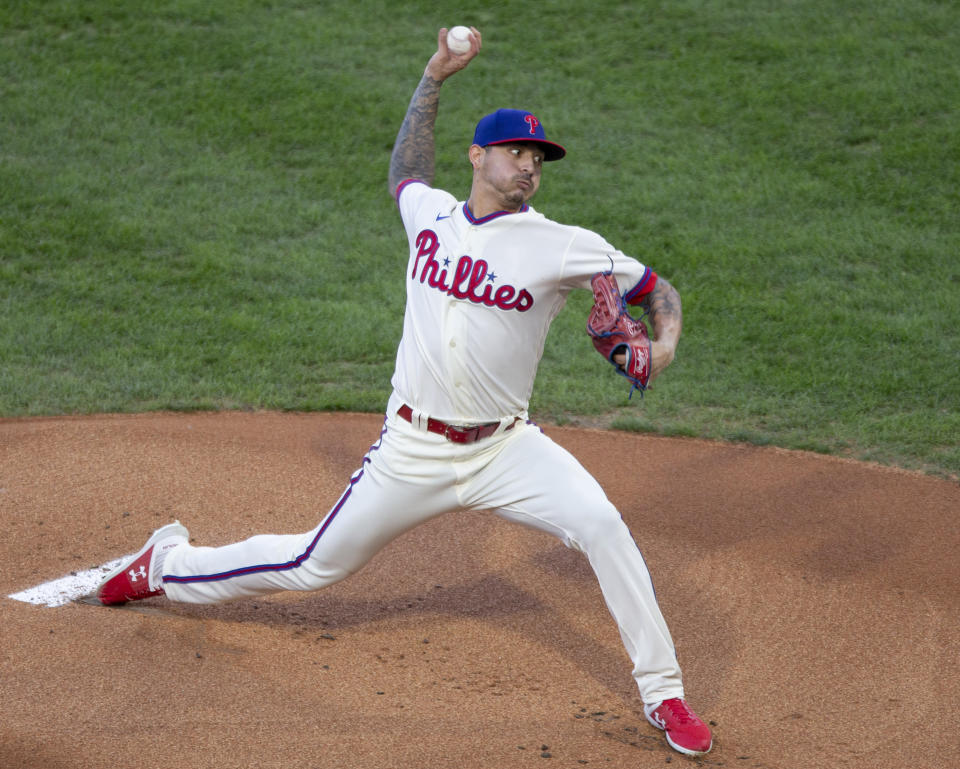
[[413, 151]]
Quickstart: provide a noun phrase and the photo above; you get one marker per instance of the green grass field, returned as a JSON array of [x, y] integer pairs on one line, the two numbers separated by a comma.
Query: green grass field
[[194, 212]]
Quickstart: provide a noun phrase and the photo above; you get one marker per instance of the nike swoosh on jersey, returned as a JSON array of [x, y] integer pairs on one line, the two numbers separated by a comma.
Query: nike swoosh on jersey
[[440, 217]]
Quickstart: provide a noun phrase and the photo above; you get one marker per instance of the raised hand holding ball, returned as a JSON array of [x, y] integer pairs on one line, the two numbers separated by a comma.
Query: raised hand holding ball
[[458, 40]]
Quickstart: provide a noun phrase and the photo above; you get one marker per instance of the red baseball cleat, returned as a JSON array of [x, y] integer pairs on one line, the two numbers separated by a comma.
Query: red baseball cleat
[[684, 730], [134, 579]]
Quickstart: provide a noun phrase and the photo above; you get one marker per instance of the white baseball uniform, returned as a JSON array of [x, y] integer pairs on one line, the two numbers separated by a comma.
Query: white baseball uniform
[[481, 294]]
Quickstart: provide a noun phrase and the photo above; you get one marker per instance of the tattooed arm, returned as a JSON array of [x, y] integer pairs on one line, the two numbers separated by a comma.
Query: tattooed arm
[[412, 156], [666, 318]]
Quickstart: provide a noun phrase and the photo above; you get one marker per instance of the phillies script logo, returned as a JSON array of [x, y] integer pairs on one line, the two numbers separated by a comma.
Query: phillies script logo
[[471, 278]]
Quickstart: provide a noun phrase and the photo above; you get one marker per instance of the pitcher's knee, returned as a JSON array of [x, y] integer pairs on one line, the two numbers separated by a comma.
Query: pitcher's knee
[[315, 574], [601, 528]]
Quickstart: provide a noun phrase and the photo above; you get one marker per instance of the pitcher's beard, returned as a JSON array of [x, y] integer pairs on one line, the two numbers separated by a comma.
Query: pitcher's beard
[[515, 198]]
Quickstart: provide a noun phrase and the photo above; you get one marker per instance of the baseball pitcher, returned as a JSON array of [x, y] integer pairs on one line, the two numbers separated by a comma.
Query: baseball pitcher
[[484, 277]]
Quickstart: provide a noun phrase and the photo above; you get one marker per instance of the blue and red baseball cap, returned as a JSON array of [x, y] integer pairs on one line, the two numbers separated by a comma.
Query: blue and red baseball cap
[[515, 125]]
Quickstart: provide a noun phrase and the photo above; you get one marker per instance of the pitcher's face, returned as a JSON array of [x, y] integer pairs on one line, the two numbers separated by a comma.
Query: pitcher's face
[[509, 172]]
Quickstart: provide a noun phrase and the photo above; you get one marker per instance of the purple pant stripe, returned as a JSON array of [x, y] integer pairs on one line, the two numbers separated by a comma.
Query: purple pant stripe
[[296, 562]]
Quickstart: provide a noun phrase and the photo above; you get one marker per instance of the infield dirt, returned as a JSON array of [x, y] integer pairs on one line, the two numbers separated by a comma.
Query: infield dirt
[[814, 602]]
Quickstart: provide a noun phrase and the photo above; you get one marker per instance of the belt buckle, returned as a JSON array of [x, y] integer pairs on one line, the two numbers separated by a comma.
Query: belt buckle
[[456, 434]]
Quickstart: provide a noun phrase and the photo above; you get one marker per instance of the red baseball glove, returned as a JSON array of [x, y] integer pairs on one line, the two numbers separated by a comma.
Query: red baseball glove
[[616, 332]]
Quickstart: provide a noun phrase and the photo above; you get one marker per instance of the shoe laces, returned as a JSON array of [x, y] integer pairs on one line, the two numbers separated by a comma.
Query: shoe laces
[[681, 711]]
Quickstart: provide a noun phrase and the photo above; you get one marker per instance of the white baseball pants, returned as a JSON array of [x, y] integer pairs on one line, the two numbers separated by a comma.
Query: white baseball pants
[[410, 476]]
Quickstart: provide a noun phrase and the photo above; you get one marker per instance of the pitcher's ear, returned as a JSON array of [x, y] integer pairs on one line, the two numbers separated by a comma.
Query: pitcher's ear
[[475, 154]]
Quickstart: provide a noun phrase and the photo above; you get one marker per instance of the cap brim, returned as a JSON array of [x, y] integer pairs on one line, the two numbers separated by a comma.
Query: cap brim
[[551, 150]]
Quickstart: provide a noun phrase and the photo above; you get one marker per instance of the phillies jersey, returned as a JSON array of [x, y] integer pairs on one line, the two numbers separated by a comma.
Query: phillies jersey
[[481, 294]]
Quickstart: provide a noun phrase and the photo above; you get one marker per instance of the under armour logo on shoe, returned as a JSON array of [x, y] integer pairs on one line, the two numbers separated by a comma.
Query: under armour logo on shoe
[[139, 574]]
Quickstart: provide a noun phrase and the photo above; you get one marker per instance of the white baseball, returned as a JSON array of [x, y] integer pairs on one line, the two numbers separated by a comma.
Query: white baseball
[[458, 40]]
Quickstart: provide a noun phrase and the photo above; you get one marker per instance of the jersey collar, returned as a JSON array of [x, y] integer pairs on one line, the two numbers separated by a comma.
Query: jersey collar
[[495, 215]]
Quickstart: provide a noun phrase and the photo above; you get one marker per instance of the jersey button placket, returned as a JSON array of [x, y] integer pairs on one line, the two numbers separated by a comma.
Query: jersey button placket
[[457, 333], [455, 365]]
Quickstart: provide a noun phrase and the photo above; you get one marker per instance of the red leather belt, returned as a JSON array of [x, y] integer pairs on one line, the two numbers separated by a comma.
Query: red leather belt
[[452, 432]]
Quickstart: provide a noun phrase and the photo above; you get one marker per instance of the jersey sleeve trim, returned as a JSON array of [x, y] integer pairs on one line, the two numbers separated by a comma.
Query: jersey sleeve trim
[[644, 286], [403, 185]]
